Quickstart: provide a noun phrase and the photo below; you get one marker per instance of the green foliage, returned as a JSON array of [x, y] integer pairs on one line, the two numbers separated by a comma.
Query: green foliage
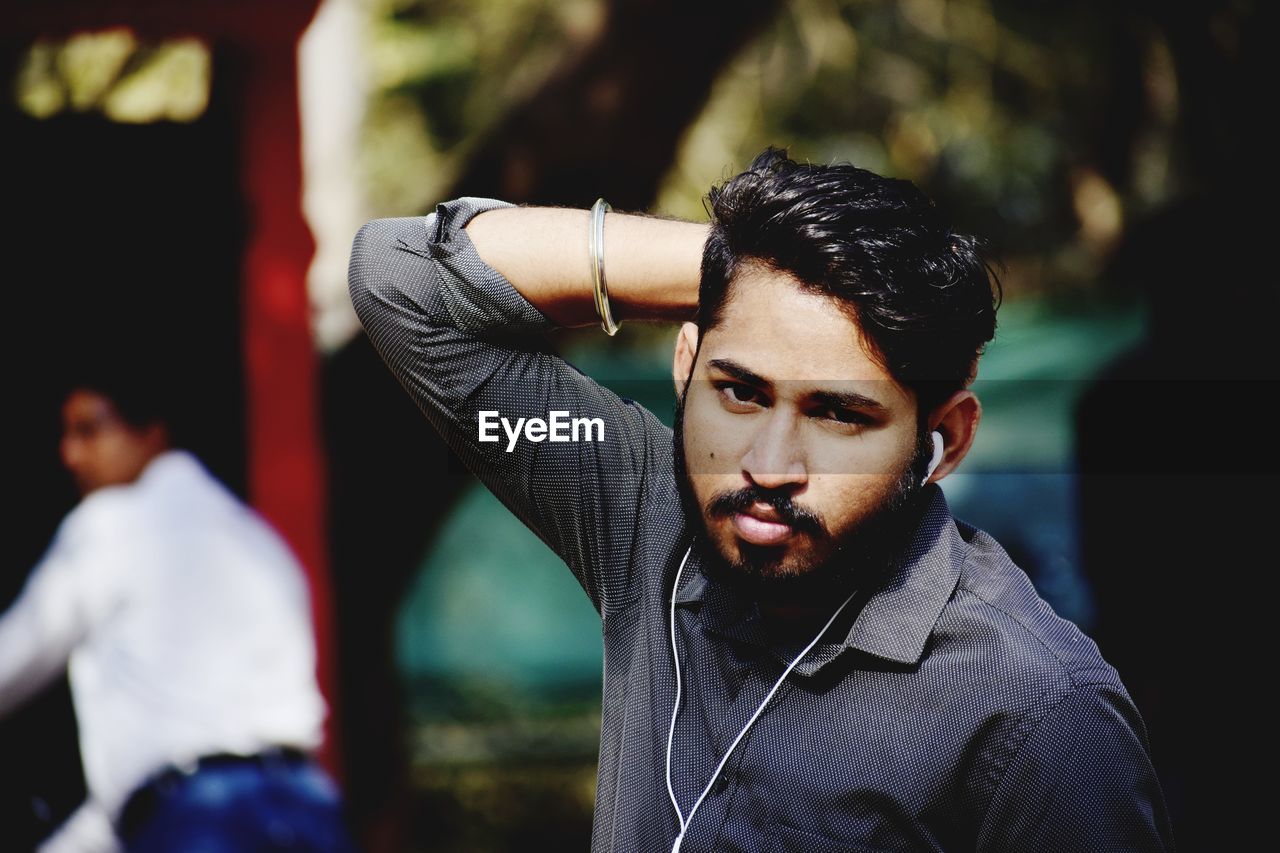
[[990, 108], [995, 108], [443, 73]]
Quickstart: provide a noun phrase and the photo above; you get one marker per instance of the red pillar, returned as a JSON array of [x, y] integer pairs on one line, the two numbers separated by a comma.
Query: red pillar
[[285, 452]]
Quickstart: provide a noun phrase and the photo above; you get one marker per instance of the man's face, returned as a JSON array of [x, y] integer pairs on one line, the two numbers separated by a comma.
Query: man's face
[[799, 449], [99, 448]]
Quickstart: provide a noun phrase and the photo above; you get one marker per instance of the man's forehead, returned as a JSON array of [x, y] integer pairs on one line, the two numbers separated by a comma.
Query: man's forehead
[[780, 330], [82, 403]]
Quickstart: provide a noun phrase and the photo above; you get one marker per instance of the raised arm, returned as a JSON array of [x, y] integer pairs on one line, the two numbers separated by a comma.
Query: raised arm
[[461, 339], [651, 264]]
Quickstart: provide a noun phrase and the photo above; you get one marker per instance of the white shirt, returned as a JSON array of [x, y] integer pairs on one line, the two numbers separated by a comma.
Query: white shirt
[[185, 624]]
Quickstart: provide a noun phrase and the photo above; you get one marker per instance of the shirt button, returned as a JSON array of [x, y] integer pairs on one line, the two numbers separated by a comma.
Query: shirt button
[[722, 782]]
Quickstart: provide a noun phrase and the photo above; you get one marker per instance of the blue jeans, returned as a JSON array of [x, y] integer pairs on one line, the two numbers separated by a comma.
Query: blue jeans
[[242, 808]]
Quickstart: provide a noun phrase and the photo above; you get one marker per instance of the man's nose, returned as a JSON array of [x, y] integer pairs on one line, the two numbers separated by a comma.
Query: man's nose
[[775, 458]]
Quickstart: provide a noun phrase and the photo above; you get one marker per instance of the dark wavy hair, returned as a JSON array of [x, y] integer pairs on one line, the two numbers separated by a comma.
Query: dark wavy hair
[[140, 380], [923, 295]]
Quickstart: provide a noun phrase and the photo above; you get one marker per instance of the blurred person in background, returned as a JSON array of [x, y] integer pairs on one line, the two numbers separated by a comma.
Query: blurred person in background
[[183, 622], [804, 650]]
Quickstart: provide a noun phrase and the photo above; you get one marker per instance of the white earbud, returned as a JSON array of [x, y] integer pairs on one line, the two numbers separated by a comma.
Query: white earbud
[[938, 447]]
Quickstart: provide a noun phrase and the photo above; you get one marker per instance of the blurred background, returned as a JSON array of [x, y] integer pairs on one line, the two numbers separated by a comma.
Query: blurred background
[[191, 175]]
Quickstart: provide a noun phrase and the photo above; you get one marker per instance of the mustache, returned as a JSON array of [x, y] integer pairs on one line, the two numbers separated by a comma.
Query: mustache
[[741, 500]]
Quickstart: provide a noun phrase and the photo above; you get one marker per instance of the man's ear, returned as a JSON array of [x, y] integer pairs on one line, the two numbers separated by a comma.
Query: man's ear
[[686, 351], [156, 435], [957, 419]]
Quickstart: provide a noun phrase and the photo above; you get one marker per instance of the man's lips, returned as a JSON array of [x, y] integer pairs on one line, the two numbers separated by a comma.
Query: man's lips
[[758, 531]]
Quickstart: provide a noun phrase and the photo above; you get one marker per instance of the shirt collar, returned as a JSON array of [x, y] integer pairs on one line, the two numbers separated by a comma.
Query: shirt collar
[[168, 464], [896, 617]]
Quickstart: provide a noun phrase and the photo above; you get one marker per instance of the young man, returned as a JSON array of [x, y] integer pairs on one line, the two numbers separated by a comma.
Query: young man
[[185, 622], [804, 651]]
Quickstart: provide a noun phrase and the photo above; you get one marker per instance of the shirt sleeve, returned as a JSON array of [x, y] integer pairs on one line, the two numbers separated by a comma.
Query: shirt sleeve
[[88, 830], [1082, 781], [45, 622], [464, 343]]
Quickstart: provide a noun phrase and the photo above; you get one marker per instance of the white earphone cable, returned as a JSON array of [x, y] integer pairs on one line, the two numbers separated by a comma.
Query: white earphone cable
[[671, 733], [675, 654]]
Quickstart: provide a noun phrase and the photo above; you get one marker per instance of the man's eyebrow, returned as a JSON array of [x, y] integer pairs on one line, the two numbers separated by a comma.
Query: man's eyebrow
[[848, 400], [737, 371]]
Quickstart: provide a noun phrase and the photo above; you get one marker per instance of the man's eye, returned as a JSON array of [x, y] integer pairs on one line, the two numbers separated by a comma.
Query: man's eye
[[844, 417], [739, 394]]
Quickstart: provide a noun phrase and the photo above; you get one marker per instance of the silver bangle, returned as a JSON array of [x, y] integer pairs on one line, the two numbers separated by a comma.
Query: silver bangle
[[595, 248]]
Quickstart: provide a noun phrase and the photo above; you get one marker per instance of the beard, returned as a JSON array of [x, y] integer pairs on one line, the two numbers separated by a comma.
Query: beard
[[859, 556]]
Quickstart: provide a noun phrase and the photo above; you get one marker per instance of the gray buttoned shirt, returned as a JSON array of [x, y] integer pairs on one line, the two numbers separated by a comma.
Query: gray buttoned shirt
[[953, 710]]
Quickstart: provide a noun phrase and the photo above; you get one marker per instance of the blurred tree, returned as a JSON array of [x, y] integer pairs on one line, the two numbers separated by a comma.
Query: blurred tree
[[624, 80], [609, 121], [1048, 127]]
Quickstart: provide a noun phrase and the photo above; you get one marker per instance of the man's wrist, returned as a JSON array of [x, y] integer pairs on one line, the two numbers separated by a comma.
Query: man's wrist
[[661, 268]]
